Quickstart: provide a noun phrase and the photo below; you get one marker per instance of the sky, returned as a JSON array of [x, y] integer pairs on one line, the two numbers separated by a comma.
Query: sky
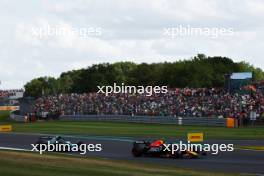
[[46, 38]]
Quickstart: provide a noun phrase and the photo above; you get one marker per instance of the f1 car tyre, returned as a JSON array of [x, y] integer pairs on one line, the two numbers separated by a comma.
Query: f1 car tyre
[[138, 149]]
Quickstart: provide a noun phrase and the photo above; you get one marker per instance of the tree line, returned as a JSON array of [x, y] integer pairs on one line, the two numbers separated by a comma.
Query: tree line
[[200, 71]]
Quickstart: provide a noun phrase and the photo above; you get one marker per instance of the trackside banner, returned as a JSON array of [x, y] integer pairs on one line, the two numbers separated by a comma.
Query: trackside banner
[[195, 137], [5, 128], [9, 108]]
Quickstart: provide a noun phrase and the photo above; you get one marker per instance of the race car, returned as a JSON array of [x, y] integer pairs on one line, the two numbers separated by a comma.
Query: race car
[[157, 148], [56, 140]]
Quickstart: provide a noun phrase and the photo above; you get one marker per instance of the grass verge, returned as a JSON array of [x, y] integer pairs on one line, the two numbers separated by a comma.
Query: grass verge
[[4, 115], [137, 130], [32, 164]]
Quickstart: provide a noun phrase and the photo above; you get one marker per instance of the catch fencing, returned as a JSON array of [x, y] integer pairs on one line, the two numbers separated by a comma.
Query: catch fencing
[[17, 117], [205, 121]]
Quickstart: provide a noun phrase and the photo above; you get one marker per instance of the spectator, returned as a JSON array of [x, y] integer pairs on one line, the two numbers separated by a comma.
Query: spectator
[[200, 102]]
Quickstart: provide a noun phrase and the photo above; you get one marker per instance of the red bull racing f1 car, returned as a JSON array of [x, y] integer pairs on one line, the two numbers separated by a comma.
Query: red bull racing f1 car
[[159, 148]]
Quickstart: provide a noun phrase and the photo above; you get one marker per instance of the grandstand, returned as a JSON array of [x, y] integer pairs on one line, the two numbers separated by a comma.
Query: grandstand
[[10, 97], [203, 102]]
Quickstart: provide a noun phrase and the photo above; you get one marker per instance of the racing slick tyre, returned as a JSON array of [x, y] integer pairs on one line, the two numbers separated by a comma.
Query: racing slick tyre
[[79, 143], [138, 150], [39, 142]]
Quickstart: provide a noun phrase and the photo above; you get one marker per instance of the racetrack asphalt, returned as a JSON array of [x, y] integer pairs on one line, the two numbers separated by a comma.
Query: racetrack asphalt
[[238, 161]]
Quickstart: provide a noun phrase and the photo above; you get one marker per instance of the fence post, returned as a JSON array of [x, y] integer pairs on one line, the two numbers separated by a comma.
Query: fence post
[[179, 120]]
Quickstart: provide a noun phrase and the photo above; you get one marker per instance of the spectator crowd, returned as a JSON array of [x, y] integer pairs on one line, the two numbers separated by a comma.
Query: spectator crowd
[[11, 92], [200, 102]]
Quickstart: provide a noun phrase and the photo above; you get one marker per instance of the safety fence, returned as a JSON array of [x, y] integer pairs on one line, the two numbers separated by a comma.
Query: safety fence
[[148, 119], [14, 115], [204, 121]]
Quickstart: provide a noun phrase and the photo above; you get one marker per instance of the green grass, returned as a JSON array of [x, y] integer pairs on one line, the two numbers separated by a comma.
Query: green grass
[[33, 164], [138, 130], [4, 115]]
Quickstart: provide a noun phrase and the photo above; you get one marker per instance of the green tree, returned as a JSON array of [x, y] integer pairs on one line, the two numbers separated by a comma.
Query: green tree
[[65, 84], [200, 71], [41, 86]]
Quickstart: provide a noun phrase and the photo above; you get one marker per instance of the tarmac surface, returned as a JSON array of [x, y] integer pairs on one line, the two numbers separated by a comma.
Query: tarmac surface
[[238, 161]]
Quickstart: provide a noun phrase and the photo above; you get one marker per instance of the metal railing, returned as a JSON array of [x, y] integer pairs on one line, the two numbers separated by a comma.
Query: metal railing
[[205, 121]]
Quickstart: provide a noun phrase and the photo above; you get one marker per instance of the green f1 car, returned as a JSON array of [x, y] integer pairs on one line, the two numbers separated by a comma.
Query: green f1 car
[[58, 141]]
